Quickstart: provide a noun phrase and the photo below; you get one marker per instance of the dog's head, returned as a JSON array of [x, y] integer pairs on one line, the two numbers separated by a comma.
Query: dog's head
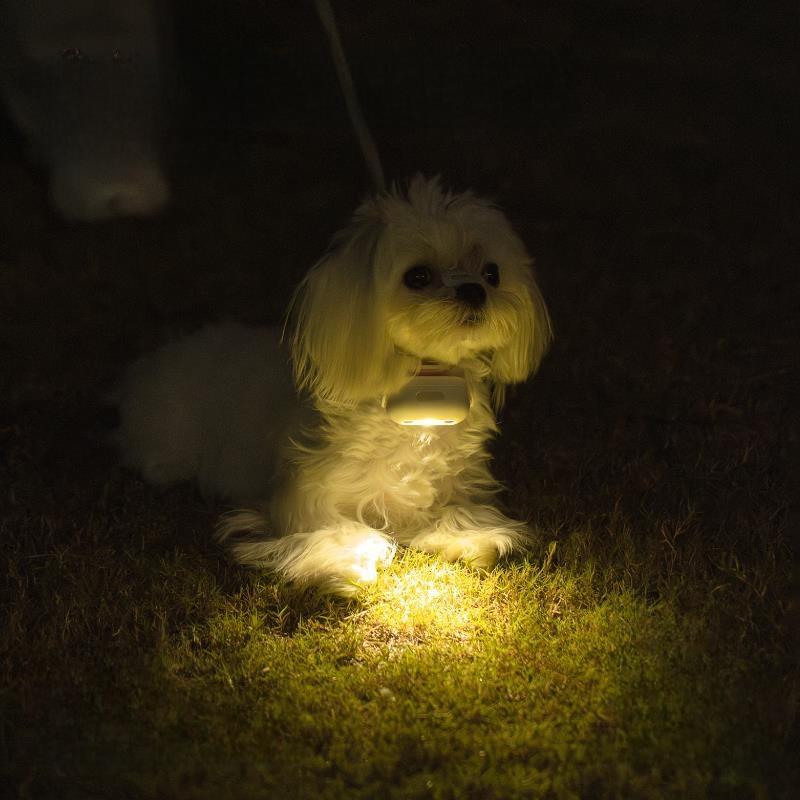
[[418, 275]]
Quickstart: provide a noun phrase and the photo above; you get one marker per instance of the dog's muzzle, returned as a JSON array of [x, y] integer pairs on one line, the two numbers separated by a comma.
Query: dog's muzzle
[[473, 294], [467, 289]]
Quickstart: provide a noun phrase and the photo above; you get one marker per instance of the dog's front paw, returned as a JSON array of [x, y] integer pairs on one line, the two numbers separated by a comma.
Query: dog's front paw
[[336, 560], [478, 535]]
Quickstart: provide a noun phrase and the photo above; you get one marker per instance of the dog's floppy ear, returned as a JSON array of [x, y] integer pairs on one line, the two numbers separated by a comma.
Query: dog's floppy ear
[[340, 348], [520, 358]]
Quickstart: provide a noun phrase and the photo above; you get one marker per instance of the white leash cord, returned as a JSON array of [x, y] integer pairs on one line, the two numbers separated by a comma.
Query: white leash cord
[[365, 140]]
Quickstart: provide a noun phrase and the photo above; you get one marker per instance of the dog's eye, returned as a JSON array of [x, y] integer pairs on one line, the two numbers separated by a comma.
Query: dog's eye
[[491, 274], [418, 277]]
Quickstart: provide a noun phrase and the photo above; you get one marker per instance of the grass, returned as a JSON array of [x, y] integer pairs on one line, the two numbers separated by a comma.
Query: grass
[[169, 675], [647, 648]]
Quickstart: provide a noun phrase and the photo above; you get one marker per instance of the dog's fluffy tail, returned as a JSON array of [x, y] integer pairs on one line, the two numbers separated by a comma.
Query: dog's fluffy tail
[[334, 560]]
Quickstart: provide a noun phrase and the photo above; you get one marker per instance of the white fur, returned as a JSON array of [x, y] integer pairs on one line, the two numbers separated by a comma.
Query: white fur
[[336, 481]]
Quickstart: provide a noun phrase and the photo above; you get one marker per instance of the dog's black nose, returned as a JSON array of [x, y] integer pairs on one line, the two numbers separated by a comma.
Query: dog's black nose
[[472, 293]]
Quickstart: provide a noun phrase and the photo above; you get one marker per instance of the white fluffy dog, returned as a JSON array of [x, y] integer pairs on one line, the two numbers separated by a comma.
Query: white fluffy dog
[[416, 277]]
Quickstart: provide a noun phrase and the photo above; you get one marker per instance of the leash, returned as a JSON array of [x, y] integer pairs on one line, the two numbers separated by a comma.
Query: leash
[[367, 144]]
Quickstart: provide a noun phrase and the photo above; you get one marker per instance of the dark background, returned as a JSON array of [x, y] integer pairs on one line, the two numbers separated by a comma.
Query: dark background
[[645, 151]]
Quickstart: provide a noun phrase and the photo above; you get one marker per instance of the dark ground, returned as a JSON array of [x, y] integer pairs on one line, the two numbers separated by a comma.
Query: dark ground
[[647, 153]]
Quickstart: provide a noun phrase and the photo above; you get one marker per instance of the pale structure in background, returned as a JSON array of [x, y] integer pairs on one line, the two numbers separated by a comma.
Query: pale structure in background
[[83, 80]]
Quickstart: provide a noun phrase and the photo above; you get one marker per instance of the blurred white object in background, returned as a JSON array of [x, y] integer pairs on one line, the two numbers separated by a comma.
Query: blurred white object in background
[[83, 80]]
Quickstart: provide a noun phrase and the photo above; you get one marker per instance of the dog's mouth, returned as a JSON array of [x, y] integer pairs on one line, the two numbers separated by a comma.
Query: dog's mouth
[[471, 318]]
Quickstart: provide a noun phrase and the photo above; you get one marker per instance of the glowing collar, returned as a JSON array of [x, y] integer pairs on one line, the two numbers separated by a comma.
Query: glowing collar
[[436, 395]]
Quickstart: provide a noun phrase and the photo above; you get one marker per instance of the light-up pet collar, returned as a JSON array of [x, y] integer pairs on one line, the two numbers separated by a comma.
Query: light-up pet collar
[[436, 395]]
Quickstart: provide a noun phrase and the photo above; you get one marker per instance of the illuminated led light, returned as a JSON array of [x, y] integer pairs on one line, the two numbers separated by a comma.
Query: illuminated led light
[[436, 396], [426, 422]]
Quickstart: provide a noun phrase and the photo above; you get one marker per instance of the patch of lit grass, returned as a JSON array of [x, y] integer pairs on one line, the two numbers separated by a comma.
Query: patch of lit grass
[[421, 599]]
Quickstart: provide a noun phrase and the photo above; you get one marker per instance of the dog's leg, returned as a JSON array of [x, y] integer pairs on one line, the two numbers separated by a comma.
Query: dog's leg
[[477, 534], [337, 559]]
